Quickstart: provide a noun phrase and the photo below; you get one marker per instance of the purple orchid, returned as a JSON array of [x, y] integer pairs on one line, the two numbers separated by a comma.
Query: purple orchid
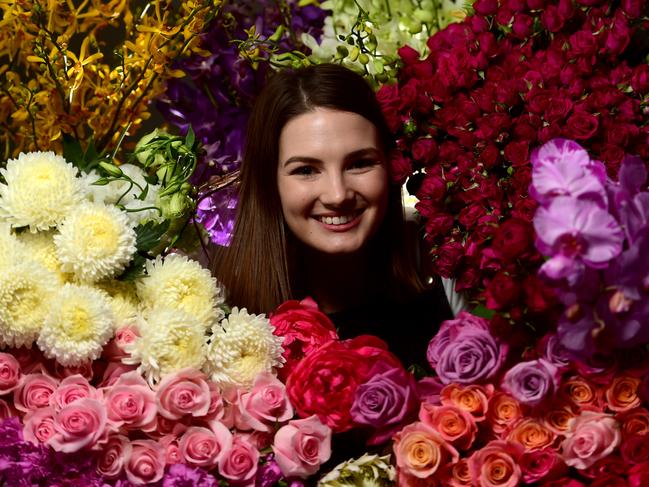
[[562, 167], [628, 204], [577, 230]]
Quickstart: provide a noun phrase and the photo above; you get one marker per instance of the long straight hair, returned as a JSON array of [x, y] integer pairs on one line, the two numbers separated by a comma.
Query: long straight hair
[[259, 269]]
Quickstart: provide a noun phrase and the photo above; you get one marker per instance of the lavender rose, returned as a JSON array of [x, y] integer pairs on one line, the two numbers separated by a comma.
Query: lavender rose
[[385, 402], [531, 382], [465, 352]]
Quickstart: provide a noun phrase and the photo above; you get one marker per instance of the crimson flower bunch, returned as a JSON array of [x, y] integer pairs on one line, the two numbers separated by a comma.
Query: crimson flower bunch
[[510, 77]]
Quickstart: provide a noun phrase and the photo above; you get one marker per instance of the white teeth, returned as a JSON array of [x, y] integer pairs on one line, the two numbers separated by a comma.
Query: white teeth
[[336, 220]]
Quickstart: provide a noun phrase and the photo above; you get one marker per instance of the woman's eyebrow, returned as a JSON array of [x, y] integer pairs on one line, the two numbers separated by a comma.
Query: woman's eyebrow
[[307, 159], [367, 151]]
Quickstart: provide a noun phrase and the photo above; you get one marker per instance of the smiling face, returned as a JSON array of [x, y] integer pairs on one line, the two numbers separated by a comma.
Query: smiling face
[[332, 180]]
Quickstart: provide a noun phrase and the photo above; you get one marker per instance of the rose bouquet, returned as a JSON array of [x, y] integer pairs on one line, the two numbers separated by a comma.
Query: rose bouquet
[[511, 76]]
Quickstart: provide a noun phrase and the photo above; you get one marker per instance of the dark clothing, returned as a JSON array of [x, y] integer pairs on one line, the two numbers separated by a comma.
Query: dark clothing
[[406, 327]]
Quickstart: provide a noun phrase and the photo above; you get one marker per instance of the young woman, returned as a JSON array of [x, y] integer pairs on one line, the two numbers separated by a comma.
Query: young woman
[[319, 216]]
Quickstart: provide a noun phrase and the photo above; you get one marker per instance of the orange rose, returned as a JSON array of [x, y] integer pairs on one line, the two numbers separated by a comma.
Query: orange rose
[[503, 411], [473, 399], [421, 451], [634, 422], [452, 423], [581, 392], [622, 394], [558, 418], [532, 434]]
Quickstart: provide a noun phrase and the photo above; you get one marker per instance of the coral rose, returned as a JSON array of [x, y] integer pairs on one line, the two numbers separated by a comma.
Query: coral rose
[[622, 394], [503, 410], [452, 423], [472, 399], [531, 434], [496, 465]]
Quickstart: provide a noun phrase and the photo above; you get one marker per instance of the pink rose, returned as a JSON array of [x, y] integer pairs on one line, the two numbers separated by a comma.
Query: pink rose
[[302, 446], [9, 373], [130, 402], [72, 388], [78, 425], [541, 465], [39, 425], [592, 436], [146, 462], [239, 462], [113, 456], [114, 371], [183, 393], [117, 348], [165, 426], [216, 410], [172, 449], [421, 451], [496, 465], [34, 392], [266, 404], [204, 447], [84, 370]]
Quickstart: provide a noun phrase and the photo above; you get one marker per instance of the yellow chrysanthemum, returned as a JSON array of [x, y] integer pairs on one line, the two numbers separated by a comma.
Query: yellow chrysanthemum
[[123, 300], [95, 242], [78, 325], [40, 247], [242, 346], [41, 190], [10, 248], [170, 340], [26, 290], [181, 283]]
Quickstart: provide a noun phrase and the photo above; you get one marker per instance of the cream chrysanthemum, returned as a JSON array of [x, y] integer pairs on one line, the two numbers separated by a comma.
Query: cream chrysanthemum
[[11, 248], [180, 283], [41, 190], [40, 247], [123, 300], [170, 340], [78, 325], [26, 290], [242, 346], [95, 242]]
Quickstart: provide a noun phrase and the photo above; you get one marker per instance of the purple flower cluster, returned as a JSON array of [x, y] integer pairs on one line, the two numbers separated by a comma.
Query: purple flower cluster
[[596, 234], [217, 98]]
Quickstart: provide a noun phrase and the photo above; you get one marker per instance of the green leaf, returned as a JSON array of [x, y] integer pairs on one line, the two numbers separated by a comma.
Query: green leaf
[[148, 235], [483, 312], [135, 269], [72, 151], [190, 138]]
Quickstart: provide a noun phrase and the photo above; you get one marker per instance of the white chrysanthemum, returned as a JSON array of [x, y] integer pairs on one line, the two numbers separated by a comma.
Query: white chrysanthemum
[[95, 242], [26, 290], [40, 247], [10, 248], [78, 325], [122, 299], [118, 190], [41, 190], [366, 471], [242, 346], [170, 340], [181, 283]]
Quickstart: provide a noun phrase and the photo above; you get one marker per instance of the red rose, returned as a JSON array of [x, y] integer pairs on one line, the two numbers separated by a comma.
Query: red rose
[[566, 9], [408, 54], [304, 328], [564, 482], [400, 167], [325, 381], [502, 291], [525, 209], [551, 19], [485, 7], [432, 187], [618, 37], [538, 295], [439, 224], [584, 43], [513, 238], [633, 8], [639, 475], [490, 156], [517, 153], [424, 150], [522, 26], [640, 79], [409, 93], [582, 126], [448, 258], [635, 449], [470, 214], [609, 481]]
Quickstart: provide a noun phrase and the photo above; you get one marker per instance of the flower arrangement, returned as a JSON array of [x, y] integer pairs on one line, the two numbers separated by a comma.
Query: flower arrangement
[[508, 78]]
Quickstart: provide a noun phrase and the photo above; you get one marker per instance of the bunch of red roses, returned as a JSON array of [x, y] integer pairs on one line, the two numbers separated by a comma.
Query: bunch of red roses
[[510, 77]]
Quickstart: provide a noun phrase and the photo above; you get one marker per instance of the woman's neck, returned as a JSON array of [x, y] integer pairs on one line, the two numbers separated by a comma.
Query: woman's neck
[[337, 282]]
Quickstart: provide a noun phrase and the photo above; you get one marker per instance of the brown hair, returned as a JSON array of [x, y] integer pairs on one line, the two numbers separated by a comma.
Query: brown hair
[[258, 269]]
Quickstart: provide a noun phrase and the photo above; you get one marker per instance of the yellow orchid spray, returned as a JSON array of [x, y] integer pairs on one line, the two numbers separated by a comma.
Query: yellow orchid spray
[[88, 69]]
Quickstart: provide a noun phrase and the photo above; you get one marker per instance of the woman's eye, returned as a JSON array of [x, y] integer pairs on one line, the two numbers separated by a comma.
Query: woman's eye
[[362, 163], [303, 171]]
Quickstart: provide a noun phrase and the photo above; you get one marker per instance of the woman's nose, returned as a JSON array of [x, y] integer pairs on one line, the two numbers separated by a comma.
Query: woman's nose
[[336, 190]]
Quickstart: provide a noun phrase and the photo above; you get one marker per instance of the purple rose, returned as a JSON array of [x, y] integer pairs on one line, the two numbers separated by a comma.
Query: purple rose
[[531, 382], [554, 351], [464, 351], [385, 402]]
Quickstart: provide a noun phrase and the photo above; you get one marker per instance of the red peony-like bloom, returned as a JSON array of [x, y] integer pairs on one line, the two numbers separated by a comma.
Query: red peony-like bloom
[[304, 328], [326, 380]]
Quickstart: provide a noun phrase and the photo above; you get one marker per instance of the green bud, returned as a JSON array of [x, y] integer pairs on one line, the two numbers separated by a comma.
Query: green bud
[[378, 66], [277, 35], [111, 169], [342, 51], [353, 55], [363, 58], [174, 206], [425, 16], [101, 182]]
